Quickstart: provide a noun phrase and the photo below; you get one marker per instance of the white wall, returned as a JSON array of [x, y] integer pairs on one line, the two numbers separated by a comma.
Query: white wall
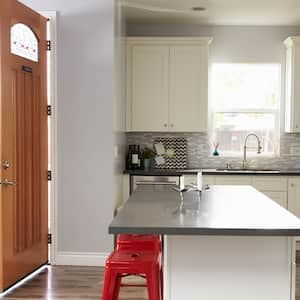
[[85, 112], [120, 104]]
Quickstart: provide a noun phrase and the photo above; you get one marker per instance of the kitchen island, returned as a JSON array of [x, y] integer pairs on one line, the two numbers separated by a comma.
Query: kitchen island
[[239, 245]]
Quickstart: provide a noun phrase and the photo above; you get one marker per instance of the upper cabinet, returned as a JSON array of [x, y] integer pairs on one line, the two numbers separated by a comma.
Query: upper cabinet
[[292, 116], [167, 84]]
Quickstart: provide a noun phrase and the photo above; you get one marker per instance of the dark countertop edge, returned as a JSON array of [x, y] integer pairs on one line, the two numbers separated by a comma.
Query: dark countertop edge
[[203, 232], [209, 172]]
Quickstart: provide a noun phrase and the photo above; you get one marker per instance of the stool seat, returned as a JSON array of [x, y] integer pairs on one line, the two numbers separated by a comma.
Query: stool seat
[[122, 263], [127, 257], [139, 242]]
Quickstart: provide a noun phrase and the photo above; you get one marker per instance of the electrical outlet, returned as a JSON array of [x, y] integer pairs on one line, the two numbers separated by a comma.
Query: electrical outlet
[[295, 150]]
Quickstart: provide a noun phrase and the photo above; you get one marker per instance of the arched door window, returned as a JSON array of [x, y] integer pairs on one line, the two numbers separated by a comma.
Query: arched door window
[[23, 42]]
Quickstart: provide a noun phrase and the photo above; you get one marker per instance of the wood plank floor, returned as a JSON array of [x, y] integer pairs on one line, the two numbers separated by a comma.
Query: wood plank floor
[[64, 282], [78, 283]]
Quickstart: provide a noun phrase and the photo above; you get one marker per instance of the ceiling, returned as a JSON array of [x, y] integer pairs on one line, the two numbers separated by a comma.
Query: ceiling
[[218, 12]]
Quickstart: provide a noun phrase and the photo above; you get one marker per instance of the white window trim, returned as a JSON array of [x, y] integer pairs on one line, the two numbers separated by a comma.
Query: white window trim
[[277, 112]]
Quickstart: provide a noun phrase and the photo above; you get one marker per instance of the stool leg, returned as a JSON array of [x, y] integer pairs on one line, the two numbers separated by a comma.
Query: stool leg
[[161, 283], [109, 284], [117, 288], [153, 284]]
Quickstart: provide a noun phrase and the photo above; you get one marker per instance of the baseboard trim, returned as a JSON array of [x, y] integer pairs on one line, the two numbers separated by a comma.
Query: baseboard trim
[[80, 259]]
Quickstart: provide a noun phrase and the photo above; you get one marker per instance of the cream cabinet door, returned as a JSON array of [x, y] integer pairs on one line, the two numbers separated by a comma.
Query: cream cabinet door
[[188, 88], [209, 180], [190, 179], [278, 197], [292, 113], [148, 87], [270, 183], [233, 180], [275, 187], [294, 195], [206, 179]]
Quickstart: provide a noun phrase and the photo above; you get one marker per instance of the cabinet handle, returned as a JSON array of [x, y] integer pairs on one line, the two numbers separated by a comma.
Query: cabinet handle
[[292, 185], [297, 126]]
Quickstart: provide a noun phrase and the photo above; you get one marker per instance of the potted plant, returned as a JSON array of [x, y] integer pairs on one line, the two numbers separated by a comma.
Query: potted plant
[[147, 155]]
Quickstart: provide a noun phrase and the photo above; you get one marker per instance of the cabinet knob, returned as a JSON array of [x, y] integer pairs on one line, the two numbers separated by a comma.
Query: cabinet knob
[[165, 125], [297, 126], [292, 185], [172, 125]]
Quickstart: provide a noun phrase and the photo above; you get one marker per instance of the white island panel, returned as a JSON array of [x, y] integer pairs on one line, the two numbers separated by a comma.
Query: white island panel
[[229, 268]]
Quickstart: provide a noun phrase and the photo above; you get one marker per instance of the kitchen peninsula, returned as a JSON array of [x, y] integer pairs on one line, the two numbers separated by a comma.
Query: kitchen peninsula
[[238, 246]]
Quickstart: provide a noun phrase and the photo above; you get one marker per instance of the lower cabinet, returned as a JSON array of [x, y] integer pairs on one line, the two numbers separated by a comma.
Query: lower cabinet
[[206, 180], [285, 190], [275, 187], [294, 195], [233, 180], [279, 197]]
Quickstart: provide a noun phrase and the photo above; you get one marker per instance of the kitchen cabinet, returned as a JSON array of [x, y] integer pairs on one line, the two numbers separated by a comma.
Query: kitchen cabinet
[[294, 195], [188, 88], [167, 84], [278, 197], [192, 179], [209, 180], [285, 190], [292, 113], [149, 92], [275, 187], [233, 180]]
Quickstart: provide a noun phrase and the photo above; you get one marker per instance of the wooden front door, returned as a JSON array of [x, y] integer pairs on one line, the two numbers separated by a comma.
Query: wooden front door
[[23, 142]]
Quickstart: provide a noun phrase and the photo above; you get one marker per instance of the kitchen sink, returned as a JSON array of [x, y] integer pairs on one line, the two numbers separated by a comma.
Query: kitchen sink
[[249, 170]]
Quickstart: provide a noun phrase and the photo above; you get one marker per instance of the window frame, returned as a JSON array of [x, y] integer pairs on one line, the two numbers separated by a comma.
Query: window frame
[[276, 111]]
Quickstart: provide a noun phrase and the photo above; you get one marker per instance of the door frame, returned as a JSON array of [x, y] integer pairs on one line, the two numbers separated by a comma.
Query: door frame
[[52, 86]]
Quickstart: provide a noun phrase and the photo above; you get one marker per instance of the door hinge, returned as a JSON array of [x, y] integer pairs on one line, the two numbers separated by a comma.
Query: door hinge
[[49, 175], [49, 45], [49, 110], [49, 238]]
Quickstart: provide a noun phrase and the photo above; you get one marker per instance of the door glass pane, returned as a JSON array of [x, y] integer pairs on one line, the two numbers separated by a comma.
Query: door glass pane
[[23, 42]]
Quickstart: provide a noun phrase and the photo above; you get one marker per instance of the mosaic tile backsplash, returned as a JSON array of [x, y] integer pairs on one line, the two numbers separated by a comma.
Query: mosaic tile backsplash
[[199, 154]]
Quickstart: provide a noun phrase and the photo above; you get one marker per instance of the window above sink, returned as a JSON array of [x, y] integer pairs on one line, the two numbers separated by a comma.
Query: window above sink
[[246, 98]]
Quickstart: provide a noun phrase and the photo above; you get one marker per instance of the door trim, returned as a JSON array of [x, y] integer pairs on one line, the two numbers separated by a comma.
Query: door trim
[[52, 86]]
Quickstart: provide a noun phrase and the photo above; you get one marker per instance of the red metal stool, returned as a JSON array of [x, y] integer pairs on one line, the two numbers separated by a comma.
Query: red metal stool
[[141, 242], [138, 242], [126, 262]]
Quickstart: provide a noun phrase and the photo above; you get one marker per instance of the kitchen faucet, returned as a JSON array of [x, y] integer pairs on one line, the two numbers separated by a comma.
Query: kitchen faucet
[[259, 147]]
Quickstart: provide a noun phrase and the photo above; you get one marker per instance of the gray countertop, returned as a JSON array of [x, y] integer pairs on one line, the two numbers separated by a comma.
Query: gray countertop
[[224, 210], [178, 172]]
